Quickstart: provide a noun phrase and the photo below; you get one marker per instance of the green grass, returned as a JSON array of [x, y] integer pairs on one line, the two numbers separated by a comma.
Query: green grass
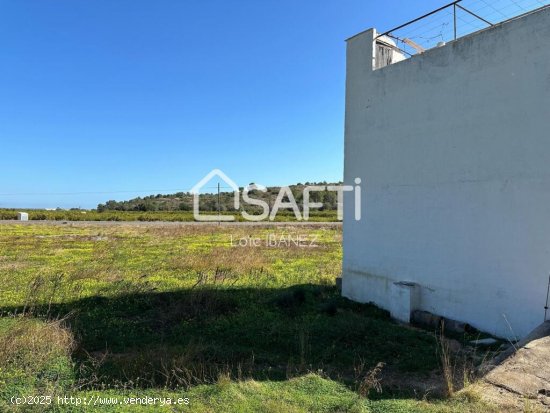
[[158, 310], [308, 393]]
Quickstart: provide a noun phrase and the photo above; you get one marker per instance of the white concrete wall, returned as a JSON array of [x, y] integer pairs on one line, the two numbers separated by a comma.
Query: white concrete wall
[[453, 149]]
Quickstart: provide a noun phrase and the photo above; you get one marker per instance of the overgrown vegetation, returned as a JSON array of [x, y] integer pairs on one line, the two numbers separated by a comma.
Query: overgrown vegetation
[[112, 311], [165, 216], [183, 201]]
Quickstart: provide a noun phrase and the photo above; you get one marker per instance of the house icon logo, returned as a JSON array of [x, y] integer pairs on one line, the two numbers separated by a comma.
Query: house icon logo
[[285, 200], [201, 184]]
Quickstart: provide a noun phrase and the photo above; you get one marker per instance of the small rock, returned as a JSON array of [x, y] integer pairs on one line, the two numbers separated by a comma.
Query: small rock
[[484, 342]]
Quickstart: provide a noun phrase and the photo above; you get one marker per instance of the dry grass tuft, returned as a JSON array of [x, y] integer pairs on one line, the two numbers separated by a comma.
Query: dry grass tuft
[[368, 380], [29, 344], [448, 366]]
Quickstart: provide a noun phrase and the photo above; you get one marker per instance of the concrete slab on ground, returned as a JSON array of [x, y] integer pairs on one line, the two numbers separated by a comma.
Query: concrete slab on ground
[[519, 379]]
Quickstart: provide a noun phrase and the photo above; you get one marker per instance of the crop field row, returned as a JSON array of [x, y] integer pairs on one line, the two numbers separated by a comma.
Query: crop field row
[[167, 216]]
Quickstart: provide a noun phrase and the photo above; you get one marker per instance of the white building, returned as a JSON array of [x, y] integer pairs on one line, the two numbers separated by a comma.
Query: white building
[[22, 216], [453, 149]]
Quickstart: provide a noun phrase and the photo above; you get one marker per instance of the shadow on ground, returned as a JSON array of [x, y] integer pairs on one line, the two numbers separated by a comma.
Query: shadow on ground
[[187, 337]]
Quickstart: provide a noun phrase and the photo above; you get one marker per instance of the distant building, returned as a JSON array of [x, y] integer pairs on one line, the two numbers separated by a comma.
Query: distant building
[[453, 148], [22, 216]]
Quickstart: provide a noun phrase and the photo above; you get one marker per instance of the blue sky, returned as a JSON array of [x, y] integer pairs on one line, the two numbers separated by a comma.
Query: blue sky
[[103, 96]]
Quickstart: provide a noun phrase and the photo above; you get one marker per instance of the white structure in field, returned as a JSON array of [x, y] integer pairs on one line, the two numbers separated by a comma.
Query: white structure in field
[[453, 149], [22, 216]]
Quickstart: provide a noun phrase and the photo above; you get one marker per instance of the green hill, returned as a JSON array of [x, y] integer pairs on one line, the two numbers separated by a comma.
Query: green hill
[[183, 201]]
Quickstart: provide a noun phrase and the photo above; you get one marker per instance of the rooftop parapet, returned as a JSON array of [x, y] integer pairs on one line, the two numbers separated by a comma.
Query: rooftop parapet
[[446, 24]]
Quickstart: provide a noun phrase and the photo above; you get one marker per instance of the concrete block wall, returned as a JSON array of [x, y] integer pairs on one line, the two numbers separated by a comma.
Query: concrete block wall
[[453, 149]]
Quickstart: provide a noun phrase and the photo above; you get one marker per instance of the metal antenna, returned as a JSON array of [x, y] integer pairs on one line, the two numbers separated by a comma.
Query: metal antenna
[[547, 296]]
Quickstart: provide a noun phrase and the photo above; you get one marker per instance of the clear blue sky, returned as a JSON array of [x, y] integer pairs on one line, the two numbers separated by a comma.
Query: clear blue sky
[[106, 96]]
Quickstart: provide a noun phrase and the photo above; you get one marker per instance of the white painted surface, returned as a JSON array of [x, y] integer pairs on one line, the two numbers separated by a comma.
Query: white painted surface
[[386, 52], [404, 299], [453, 148], [22, 216]]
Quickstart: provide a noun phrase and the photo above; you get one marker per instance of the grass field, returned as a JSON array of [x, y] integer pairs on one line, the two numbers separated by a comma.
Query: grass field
[[197, 312]]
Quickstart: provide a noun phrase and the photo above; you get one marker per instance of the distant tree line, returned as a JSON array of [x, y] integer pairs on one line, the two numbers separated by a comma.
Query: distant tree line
[[183, 201]]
